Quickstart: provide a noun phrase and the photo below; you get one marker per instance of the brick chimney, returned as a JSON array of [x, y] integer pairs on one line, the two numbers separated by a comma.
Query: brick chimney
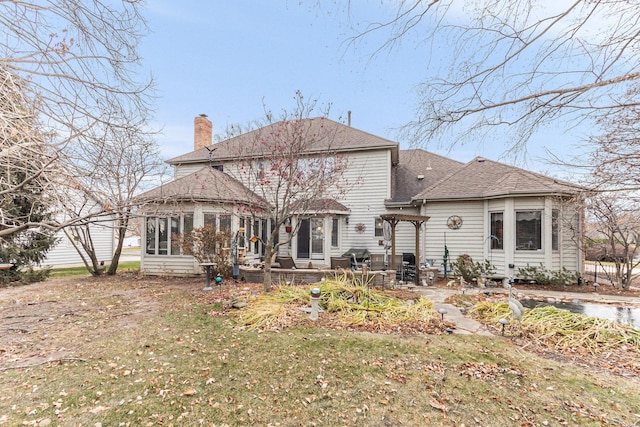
[[203, 132]]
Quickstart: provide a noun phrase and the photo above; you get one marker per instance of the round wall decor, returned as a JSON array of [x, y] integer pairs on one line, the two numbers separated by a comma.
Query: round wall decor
[[454, 222]]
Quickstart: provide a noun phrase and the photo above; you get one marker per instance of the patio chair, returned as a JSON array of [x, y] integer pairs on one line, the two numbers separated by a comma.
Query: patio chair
[[286, 262], [377, 262], [340, 262]]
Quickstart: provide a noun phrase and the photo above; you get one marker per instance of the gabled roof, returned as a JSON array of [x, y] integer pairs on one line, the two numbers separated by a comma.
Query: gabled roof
[[205, 185], [337, 138], [416, 171], [320, 206], [485, 179]]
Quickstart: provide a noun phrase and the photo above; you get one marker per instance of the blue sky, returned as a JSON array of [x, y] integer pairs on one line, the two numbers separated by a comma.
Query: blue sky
[[224, 58]]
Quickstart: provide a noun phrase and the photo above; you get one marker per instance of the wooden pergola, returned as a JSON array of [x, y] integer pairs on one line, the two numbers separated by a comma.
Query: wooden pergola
[[416, 220]]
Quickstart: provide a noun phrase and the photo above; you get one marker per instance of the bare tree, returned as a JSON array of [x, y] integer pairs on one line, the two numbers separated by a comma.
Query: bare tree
[[617, 220], [106, 178], [519, 63], [294, 166], [80, 61], [615, 156]]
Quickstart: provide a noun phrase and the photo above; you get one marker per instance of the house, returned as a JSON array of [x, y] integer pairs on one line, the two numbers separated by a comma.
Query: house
[[485, 209], [65, 254]]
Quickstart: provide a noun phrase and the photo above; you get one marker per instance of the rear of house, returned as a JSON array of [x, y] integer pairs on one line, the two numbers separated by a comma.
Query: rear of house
[[511, 217], [488, 210]]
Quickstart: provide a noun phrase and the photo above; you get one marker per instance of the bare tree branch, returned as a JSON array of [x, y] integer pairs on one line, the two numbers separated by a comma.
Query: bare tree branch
[[518, 64]]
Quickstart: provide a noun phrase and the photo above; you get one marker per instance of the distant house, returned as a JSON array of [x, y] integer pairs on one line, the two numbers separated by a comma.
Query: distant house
[[65, 254], [485, 209]]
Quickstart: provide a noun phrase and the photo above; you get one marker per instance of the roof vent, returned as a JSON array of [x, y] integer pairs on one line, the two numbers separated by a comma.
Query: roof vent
[[420, 176], [481, 159]]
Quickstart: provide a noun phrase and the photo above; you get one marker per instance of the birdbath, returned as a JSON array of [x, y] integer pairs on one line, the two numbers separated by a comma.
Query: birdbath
[[5, 266], [208, 266]]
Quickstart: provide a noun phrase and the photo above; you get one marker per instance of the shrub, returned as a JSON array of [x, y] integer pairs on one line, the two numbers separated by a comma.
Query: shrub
[[206, 244], [469, 270], [543, 276]]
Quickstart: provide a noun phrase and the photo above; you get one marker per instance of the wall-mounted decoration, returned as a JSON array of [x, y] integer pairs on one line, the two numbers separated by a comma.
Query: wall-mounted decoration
[[360, 228], [454, 222]]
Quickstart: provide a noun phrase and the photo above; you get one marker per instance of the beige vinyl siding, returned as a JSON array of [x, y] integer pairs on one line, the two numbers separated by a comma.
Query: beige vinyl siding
[[468, 239], [370, 175], [160, 265], [187, 169]]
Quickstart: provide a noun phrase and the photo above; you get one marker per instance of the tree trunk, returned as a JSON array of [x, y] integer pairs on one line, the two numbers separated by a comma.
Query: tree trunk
[[266, 281], [123, 223]]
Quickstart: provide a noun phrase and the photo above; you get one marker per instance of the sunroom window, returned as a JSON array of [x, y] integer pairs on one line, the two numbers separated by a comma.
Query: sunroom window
[[497, 230], [163, 234], [555, 229], [529, 230]]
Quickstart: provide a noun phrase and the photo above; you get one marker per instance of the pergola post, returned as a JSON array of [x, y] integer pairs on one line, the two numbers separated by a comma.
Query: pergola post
[[393, 224], [417, 224]]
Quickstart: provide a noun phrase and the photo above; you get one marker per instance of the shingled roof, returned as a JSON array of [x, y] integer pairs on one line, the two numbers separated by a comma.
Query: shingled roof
[[416, 171], [484, 179], [328, 136], [207, 184]]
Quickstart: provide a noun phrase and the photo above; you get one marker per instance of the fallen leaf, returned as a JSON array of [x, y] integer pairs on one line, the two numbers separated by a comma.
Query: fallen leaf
[[437, 405]]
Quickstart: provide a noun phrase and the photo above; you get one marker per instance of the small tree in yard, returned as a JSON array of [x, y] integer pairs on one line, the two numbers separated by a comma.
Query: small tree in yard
[[617, 219], [101, 194], [293, 165]]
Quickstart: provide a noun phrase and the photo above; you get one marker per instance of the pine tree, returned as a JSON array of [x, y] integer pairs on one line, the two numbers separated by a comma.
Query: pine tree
[[23, 201]]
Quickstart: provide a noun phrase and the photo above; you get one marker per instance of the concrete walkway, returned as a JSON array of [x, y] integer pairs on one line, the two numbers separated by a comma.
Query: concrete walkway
[[465, 325]]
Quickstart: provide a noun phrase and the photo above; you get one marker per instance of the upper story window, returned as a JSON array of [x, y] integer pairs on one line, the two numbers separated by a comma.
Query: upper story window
[[529, 230], [497, 230]]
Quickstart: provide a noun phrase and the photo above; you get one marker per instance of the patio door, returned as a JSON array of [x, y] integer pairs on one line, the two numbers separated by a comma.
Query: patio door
[[317, 238], [311, 238]]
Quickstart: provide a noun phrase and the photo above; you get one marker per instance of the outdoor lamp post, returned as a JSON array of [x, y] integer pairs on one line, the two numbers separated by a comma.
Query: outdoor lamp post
[[315, 299]]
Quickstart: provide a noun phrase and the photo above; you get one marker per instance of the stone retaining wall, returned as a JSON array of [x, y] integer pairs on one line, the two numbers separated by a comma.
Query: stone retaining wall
[[304, 276]]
